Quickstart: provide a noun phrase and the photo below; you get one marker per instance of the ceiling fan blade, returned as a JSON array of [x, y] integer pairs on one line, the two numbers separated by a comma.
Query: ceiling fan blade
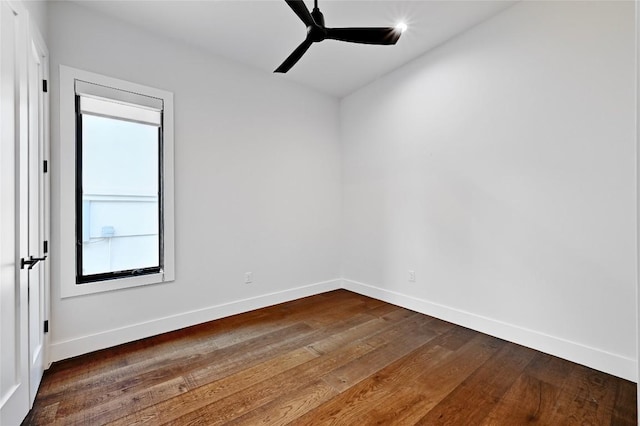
[[385, 35], [294, 57], [301, 10]]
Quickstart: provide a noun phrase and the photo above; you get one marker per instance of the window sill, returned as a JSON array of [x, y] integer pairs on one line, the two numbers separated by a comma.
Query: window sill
[[118, 284]]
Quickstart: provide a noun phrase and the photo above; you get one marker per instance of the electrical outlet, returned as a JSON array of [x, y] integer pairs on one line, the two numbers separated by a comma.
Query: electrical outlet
[[412, 276], [248, 277]]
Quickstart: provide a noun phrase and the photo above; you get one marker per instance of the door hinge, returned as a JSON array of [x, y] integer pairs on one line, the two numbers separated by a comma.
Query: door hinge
[[45, 166], [46, 326], [44, 86], [45, 247]]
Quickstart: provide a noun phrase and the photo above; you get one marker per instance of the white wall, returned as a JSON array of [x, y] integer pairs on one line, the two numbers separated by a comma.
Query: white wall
[[38, 11], [257, 164], [501, 168]]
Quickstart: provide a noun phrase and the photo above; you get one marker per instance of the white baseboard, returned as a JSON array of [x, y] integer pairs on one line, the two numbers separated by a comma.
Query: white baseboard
[[85, 344], [591, 357], [572, 351]]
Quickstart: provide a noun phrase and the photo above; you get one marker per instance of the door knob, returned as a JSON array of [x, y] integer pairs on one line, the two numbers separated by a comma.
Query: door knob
[[32, 261]]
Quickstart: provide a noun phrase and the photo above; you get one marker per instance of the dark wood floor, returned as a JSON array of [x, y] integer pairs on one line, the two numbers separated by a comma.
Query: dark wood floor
[[336, 358]]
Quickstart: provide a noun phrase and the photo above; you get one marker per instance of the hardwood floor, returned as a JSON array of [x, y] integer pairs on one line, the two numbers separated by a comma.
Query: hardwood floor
[[336, 358]]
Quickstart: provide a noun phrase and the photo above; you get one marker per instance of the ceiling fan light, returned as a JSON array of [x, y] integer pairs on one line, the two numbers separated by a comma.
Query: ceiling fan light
[[401, 26]]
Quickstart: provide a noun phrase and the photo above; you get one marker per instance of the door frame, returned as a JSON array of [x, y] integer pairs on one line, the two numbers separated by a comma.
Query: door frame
[[36, 46]]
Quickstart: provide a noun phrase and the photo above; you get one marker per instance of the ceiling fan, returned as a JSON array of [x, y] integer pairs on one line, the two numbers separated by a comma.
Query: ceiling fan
[[316, 32]]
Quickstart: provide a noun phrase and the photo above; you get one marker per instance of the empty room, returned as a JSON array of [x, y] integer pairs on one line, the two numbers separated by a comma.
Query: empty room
[[344, 212]]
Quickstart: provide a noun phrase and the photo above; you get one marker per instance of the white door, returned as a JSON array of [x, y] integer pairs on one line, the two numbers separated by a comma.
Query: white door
[[14, 370], [35, 192], [23, 212]]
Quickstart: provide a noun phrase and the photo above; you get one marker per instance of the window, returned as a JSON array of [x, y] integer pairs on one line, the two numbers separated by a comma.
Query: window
[[118, 183], [122, 172]]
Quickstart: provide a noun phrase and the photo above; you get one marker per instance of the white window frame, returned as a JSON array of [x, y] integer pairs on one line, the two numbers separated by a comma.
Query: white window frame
[[67, 173]]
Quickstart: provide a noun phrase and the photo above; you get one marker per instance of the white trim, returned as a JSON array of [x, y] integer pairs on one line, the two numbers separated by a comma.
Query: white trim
[[38, 355], [93, 342], [38, 41], [591, 357], [637, 129], [90, 90], [67, 244]]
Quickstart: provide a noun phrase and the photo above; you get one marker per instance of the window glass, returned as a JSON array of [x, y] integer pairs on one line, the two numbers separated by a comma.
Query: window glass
[[120, 192]]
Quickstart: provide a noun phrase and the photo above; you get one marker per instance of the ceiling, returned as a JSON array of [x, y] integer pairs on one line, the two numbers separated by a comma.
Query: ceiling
[[262, 33]]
